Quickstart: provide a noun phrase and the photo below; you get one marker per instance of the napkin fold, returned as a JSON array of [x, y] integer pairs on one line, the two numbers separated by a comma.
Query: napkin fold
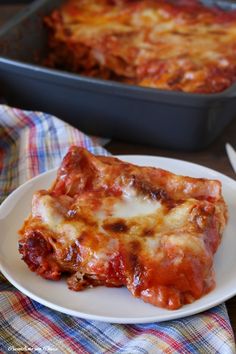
[[31, 143]]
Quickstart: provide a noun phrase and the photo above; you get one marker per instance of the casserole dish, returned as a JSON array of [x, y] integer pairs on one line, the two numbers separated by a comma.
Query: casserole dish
[[168, 119]]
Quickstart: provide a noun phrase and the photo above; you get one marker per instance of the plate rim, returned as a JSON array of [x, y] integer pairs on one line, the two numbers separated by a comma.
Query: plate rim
[[171, 315]]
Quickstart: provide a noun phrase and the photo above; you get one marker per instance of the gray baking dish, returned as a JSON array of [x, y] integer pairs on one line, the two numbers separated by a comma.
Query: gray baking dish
[[175, 120]]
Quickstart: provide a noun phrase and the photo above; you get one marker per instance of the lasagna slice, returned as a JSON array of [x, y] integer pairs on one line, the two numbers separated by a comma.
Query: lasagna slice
[[112, 223], [173, 45]]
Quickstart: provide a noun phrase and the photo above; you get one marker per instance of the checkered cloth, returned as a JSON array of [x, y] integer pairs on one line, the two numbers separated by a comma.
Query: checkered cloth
[[30, 143]]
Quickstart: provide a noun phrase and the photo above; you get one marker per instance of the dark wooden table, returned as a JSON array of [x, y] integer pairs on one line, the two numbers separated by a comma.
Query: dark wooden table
[[214, 156]]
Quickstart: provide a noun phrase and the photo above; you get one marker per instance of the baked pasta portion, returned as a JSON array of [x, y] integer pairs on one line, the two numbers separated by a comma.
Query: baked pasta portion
[[111, 223], [173, 45]]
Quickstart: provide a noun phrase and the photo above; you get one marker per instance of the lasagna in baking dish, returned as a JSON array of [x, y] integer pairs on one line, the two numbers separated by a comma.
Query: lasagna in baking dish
[[173, 45], [111, 223]]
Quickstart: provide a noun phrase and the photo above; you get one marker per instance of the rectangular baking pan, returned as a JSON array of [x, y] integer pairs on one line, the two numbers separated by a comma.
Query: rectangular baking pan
[[174, 120]]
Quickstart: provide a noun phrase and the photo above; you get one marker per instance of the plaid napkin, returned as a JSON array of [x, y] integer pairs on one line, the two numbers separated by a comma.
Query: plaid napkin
[[30, 143]]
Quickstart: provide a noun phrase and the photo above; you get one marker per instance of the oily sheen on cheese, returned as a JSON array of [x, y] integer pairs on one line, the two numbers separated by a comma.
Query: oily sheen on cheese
[[173, 45], [105, 222]]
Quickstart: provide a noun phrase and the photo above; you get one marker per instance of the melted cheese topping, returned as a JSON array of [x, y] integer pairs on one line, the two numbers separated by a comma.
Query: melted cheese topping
[[133, 216], [135, 207], [54, 216], [106, 222], [157, 44]]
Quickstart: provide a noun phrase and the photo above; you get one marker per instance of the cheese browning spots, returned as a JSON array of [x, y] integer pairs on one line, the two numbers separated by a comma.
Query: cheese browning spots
[[107, 222]]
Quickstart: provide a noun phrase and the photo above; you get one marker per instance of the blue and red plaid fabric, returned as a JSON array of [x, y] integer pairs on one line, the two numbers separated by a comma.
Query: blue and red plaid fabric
[[31, 143]]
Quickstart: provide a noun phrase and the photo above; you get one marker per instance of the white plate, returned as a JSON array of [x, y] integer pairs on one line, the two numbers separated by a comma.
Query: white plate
[[115, 305]]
